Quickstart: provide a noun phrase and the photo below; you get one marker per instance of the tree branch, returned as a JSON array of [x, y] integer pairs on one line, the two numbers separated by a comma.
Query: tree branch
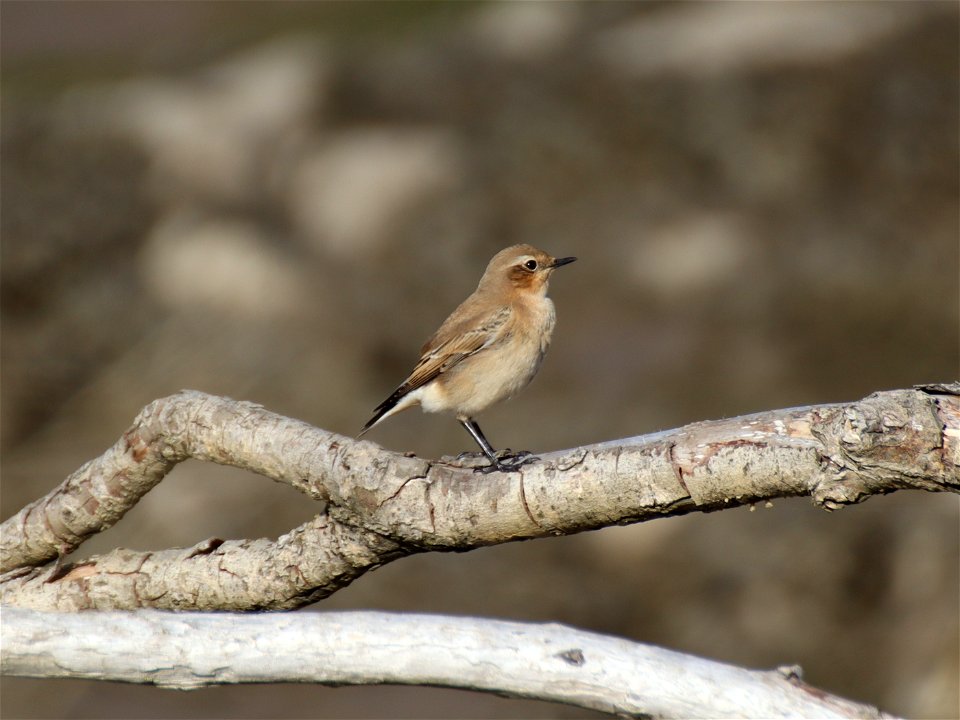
[[549, 662], [375, 506]]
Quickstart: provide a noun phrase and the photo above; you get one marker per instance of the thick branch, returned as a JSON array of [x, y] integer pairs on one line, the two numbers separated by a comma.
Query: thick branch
[[377, 505], [549, 662]]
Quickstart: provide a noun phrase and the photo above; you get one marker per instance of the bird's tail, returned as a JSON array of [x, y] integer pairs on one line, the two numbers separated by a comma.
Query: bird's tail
[[384, 409]]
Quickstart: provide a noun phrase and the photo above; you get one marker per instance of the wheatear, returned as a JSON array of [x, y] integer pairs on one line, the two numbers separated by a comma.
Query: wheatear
[[487, 350]]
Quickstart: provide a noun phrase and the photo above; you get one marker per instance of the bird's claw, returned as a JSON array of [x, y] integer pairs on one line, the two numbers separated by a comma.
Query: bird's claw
[[505, 462]]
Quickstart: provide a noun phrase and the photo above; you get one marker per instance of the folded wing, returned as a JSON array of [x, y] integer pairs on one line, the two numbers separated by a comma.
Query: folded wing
[[447, 348]]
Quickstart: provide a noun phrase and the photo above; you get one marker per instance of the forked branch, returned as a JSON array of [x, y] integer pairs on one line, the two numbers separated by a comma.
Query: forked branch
[[374, 505]]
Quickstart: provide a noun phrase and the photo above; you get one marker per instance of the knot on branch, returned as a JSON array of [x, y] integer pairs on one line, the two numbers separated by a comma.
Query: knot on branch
[[889, 441]]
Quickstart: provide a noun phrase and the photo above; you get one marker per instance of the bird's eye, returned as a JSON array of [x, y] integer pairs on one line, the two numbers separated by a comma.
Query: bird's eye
[[530, 265]]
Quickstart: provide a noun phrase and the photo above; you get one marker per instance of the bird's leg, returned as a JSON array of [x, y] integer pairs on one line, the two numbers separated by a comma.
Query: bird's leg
[[505, 462], [477, 434]]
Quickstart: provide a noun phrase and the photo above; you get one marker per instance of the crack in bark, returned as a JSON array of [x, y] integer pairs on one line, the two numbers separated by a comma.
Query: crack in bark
[[575, 464], [677, 470], [406, 482], [526, 507]]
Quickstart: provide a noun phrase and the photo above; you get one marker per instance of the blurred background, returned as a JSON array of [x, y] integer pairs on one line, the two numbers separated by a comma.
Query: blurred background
[[280, 202]]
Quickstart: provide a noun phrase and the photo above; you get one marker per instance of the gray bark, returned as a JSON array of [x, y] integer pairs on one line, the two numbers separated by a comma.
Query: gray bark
[[375, 506]]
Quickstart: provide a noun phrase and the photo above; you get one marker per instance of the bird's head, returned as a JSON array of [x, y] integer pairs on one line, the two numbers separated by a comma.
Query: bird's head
[[522, 268]]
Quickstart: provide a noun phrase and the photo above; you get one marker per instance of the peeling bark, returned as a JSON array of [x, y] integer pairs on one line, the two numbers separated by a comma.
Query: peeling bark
[[375, 506]]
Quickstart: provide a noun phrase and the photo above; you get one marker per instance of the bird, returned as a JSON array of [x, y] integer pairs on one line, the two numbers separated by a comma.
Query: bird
[[486, 351]]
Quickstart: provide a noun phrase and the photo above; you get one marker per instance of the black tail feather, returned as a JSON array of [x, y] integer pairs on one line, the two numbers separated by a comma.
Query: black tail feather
[[383, 408]]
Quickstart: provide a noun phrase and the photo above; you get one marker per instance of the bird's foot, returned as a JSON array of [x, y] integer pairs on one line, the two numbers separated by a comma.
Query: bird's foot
[[507, 461]]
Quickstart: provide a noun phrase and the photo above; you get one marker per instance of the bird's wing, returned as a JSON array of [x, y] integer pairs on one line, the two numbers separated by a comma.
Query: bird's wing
[[465, 333], [453, 344]]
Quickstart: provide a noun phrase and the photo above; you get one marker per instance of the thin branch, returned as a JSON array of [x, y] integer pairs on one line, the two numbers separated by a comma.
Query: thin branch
[[549, 662], [375, 505]]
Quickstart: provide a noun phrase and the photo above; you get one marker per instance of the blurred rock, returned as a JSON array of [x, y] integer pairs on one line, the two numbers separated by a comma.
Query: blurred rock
[[715, 38], [222, 266], [527, 30], [349, 196], [215, 134], [691, 256]]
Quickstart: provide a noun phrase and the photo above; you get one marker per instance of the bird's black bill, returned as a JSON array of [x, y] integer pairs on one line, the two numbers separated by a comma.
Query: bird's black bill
[[562, 261]]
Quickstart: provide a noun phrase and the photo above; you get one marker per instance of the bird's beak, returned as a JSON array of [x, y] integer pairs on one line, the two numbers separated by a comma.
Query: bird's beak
[[557, 262]]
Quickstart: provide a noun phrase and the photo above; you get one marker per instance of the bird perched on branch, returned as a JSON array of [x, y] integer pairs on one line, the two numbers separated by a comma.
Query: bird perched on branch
[[488, 349]]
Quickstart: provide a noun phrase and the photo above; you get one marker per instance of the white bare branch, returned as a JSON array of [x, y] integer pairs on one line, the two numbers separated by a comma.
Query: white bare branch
[[548, 662]]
